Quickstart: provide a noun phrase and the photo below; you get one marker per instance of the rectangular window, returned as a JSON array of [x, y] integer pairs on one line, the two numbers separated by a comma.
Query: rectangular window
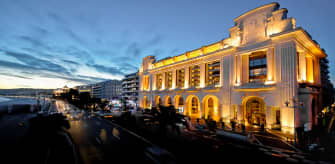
[[257, 67], [159, 81], [194, 76], [180, 82], [213, 73], [168, 79], [146, 83]]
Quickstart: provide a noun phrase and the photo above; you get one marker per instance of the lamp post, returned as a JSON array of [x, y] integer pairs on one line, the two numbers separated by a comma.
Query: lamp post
[[296, 104]]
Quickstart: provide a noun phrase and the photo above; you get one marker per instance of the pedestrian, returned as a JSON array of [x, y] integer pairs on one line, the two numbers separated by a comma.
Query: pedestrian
[[232, 125], [189, 124], [163, 120], [174, 120], [243, 127]]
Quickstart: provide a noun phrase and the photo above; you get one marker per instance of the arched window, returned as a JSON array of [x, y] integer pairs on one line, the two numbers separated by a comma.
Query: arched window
[[194, 105], [210, 103], [144, 101], [181, 101], [210, 107], [169, 103]]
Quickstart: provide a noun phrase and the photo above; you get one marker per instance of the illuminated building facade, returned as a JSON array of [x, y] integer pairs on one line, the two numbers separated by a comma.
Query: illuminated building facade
[[267, 72]]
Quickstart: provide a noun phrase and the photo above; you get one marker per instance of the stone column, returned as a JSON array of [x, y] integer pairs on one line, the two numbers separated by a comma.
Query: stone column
[[227, 82], [310, 68], [317, 79], [187, 77], [288, 86], [237, 69], [174, 79], [270, 65], [202, 75], [154, 77], [221, 71], [245, 68], [163, 81], [302, 67]]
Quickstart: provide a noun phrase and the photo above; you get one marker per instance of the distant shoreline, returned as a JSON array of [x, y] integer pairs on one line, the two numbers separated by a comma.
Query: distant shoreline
[[4, 99]]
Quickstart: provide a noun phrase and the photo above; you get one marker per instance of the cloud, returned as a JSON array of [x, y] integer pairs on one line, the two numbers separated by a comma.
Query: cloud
[[74, 78], [154, 41], [70, 62], [134, 49], [35, 43], [37, 63], [16, 66], [13, 75], [106, 69], [34, 67]]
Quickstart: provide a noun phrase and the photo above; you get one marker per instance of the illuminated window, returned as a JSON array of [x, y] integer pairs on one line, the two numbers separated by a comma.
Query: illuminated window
[[159, 81], [194, 105], [213, 73], [278, 117], [146, 82], [169, 103], [180, 82], [257, 67], [181, 105], [168, 79], [194, 76], [210, 107]]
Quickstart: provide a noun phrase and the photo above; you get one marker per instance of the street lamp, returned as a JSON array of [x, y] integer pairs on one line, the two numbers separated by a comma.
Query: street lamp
[[296, 104]]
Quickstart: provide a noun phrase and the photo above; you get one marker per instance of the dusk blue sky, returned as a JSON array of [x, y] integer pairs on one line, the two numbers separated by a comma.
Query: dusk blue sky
[[52, 43]]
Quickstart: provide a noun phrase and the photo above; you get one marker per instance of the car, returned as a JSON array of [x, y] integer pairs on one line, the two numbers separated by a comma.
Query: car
[[116, 109], [99, 113], [108, 114]]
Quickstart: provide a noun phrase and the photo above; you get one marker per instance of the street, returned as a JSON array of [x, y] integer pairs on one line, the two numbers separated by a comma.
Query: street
[[100, 141], [91, 139]]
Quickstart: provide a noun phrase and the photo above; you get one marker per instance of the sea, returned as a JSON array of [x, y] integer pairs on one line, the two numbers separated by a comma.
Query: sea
[[4, 99]]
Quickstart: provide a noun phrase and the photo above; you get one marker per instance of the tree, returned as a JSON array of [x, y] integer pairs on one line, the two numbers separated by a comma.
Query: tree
[[84, 99], [327, 89]]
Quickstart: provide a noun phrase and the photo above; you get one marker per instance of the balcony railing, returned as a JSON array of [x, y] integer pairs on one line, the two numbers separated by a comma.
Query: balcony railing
[[254, 85]]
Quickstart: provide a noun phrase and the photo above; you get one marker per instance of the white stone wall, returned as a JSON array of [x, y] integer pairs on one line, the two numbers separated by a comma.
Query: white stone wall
[[254, 31]]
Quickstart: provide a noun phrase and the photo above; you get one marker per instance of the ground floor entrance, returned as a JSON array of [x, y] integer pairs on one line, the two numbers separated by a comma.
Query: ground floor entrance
[[254, 111]]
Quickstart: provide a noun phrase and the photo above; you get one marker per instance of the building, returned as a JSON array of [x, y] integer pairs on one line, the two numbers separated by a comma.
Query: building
[[265, 73], [59, 91], [130, 88], [85, 88], [110, 89]]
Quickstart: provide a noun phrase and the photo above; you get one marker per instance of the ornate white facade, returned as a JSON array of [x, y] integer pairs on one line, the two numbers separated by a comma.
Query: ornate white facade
[[266, 72]]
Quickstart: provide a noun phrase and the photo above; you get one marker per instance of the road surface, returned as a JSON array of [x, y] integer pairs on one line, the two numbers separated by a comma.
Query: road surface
[[100, 141]]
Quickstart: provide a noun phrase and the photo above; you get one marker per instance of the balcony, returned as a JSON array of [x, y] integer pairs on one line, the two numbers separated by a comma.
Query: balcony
[[254, 86], [214, 64]]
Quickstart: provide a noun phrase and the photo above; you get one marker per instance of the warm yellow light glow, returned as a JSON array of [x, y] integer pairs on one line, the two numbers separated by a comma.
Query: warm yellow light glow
[[235, 42], [273, 30], [237, 84], [158, 64], [212, 48], [269, 82], [254, 89], [310, 69], [195, 53], [287, 130], [168, 61], [141, 69], [180, 58], [146, 83]]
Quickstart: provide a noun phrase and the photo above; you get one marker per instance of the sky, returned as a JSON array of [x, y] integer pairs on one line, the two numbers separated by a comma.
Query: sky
[[52, 43]]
